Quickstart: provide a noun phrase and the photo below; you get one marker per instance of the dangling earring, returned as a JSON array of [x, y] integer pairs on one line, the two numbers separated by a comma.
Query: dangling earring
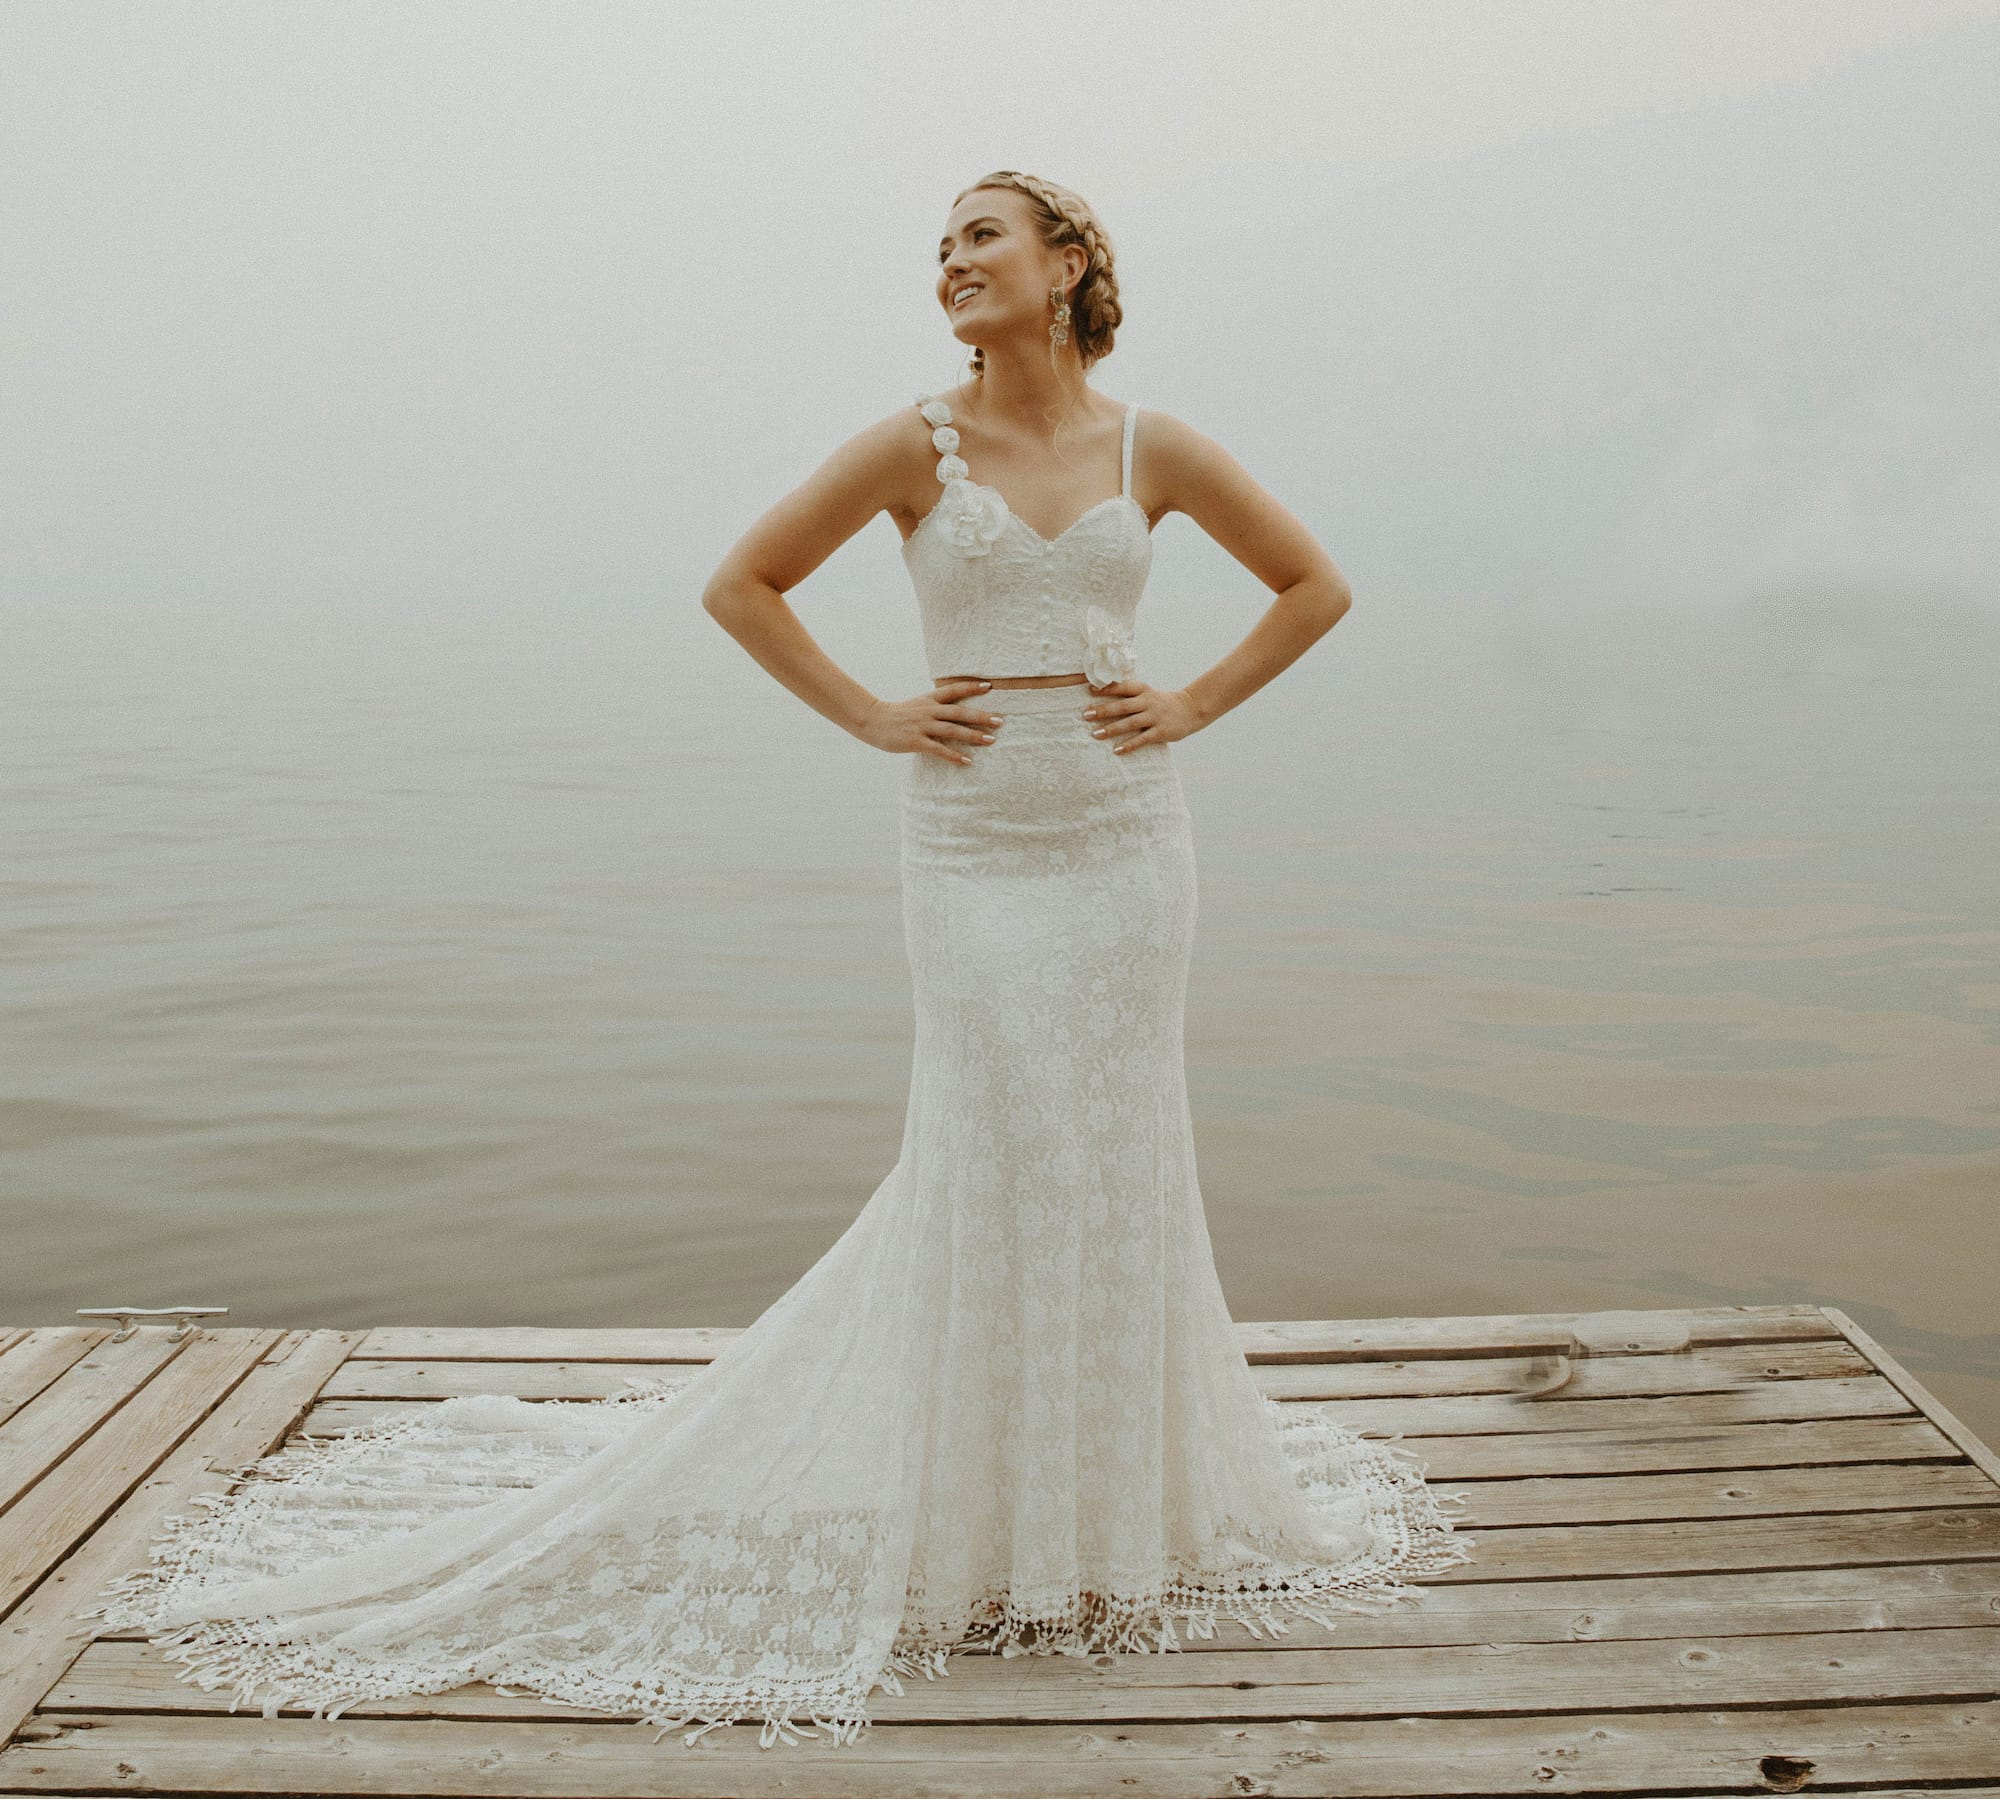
[[1059, 330]]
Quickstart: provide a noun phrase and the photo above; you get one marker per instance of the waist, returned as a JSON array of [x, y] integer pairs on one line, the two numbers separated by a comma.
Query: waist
[[1020, 680]]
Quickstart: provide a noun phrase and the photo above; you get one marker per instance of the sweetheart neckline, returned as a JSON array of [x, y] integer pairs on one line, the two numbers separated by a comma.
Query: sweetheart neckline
[[1047, 543]]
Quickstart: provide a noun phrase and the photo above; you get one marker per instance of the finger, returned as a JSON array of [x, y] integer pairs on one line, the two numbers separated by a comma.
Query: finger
[[960, 688], [1120, 727], [971, 715], [1134, 742], [943, 754], [964, 733]]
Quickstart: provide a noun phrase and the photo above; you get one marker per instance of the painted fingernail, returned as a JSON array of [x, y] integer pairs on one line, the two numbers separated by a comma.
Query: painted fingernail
[[1099, 732], [985, 736], [1090, 712]]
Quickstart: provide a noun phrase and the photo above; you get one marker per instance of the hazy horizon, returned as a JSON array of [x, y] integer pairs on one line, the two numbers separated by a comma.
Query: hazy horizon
[[442, 306]]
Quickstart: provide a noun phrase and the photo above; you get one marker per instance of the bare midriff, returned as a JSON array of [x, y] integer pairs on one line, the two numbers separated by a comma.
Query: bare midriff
[[1020, 680]]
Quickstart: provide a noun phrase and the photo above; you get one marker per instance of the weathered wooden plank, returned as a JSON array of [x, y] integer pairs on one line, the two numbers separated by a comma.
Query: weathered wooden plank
[[1701, 1370], [535, 1343], [1897, 1597], [1821, 1543], [1981, 1455], [1669, 1448], [40, 1357], [1722, 1369], [64, 1413], [1907, 1438], [1741, 1493], [1868, 1396], [1459, 1680], [1712, 1545], [1286, 1341], [1748, 1750], [44, 1635], [1729, 1492], [49, 1520], [1632, 1332], [524, 1380]]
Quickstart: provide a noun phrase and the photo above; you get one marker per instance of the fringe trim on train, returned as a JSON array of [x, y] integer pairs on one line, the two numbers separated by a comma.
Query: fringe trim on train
[[1413, 1531]]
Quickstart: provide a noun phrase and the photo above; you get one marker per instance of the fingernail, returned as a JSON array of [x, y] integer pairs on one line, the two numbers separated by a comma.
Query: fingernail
[[983, 685], [1090, 712], [1099, 732]]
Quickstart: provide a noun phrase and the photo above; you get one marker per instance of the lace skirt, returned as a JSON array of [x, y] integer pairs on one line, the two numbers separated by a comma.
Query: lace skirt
[[1007, 1411]]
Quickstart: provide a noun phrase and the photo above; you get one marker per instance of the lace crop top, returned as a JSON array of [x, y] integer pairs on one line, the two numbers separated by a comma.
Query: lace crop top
[[998, 599]]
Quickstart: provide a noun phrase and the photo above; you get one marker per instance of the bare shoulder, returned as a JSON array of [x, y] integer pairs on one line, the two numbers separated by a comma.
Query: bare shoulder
[[1181, 467], [1174, 447], [896, 441], [1184, 470], [889, 462]]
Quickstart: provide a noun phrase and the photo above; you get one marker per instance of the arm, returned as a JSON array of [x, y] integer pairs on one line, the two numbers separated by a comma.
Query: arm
[[745, 595], [1202, 479]]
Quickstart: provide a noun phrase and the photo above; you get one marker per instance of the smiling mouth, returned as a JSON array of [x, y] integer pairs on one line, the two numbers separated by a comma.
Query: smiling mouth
[[965, 296]]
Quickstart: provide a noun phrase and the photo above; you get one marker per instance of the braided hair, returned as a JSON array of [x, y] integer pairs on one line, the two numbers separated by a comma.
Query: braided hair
[[1064, 217]]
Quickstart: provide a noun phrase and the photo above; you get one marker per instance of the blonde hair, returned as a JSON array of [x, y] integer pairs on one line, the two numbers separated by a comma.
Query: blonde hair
[[1063, 217]]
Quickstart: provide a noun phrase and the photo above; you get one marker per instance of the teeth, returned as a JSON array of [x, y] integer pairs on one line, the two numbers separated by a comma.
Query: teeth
[[966, 293]]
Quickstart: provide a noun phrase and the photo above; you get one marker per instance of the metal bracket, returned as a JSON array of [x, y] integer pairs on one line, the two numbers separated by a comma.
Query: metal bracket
[[126, 1314]]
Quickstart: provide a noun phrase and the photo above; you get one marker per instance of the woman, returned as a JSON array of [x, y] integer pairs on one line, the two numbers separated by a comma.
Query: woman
[[1007, 1410]]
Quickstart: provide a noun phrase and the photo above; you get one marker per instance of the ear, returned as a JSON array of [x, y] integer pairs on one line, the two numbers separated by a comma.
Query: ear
[[1075, 259]]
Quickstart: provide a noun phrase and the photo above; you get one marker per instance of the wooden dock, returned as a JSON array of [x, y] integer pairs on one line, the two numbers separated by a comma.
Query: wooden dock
[[1725, 1550]]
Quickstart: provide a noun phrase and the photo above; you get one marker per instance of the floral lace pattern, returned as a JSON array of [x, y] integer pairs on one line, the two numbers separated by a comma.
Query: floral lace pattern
[[1007, 1411]]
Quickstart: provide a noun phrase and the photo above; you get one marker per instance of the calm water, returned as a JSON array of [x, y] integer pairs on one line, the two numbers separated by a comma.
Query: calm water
[[539, 967]]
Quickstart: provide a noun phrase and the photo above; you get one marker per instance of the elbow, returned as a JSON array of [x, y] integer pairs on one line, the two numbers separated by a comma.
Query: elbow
[[735, 593], [1335, 597], [718, 599]]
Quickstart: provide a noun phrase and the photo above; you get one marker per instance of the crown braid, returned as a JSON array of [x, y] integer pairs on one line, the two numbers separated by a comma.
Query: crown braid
[[1064, 217]]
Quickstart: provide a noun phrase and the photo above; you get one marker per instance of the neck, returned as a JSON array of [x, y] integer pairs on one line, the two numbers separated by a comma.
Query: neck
[[1022, 387]]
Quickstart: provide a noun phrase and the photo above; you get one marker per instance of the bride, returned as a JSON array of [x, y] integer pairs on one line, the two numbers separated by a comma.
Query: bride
[[1007, 1410]]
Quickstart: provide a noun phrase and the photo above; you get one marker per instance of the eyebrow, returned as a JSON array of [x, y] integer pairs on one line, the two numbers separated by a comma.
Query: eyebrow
[[986, 219]]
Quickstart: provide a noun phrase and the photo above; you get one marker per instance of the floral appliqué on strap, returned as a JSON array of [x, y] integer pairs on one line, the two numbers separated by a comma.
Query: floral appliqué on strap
[[972, 517]]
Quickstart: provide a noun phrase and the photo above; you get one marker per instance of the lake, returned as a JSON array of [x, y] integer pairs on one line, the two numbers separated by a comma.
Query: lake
[[544, 966]]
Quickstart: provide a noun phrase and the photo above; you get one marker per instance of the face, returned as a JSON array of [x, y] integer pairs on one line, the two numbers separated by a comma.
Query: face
[[993, 263]]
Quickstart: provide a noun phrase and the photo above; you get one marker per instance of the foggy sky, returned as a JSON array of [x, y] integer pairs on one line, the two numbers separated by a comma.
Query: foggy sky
[[473, 304]]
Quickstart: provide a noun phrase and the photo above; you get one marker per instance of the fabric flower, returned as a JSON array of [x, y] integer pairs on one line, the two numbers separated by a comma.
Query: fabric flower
[[973, 517], [1108, 655], [952, 468], [936, 412], [944, 440]]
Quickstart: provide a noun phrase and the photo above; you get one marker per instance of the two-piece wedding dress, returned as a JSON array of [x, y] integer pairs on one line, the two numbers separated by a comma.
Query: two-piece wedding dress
[[1007, 1410]]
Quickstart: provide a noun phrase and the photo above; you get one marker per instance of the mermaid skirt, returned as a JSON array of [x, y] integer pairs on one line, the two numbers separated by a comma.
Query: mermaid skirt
[[1006, 1411]]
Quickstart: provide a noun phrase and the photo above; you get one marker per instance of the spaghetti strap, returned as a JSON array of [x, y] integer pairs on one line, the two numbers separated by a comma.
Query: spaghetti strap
[[1125, 470]]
